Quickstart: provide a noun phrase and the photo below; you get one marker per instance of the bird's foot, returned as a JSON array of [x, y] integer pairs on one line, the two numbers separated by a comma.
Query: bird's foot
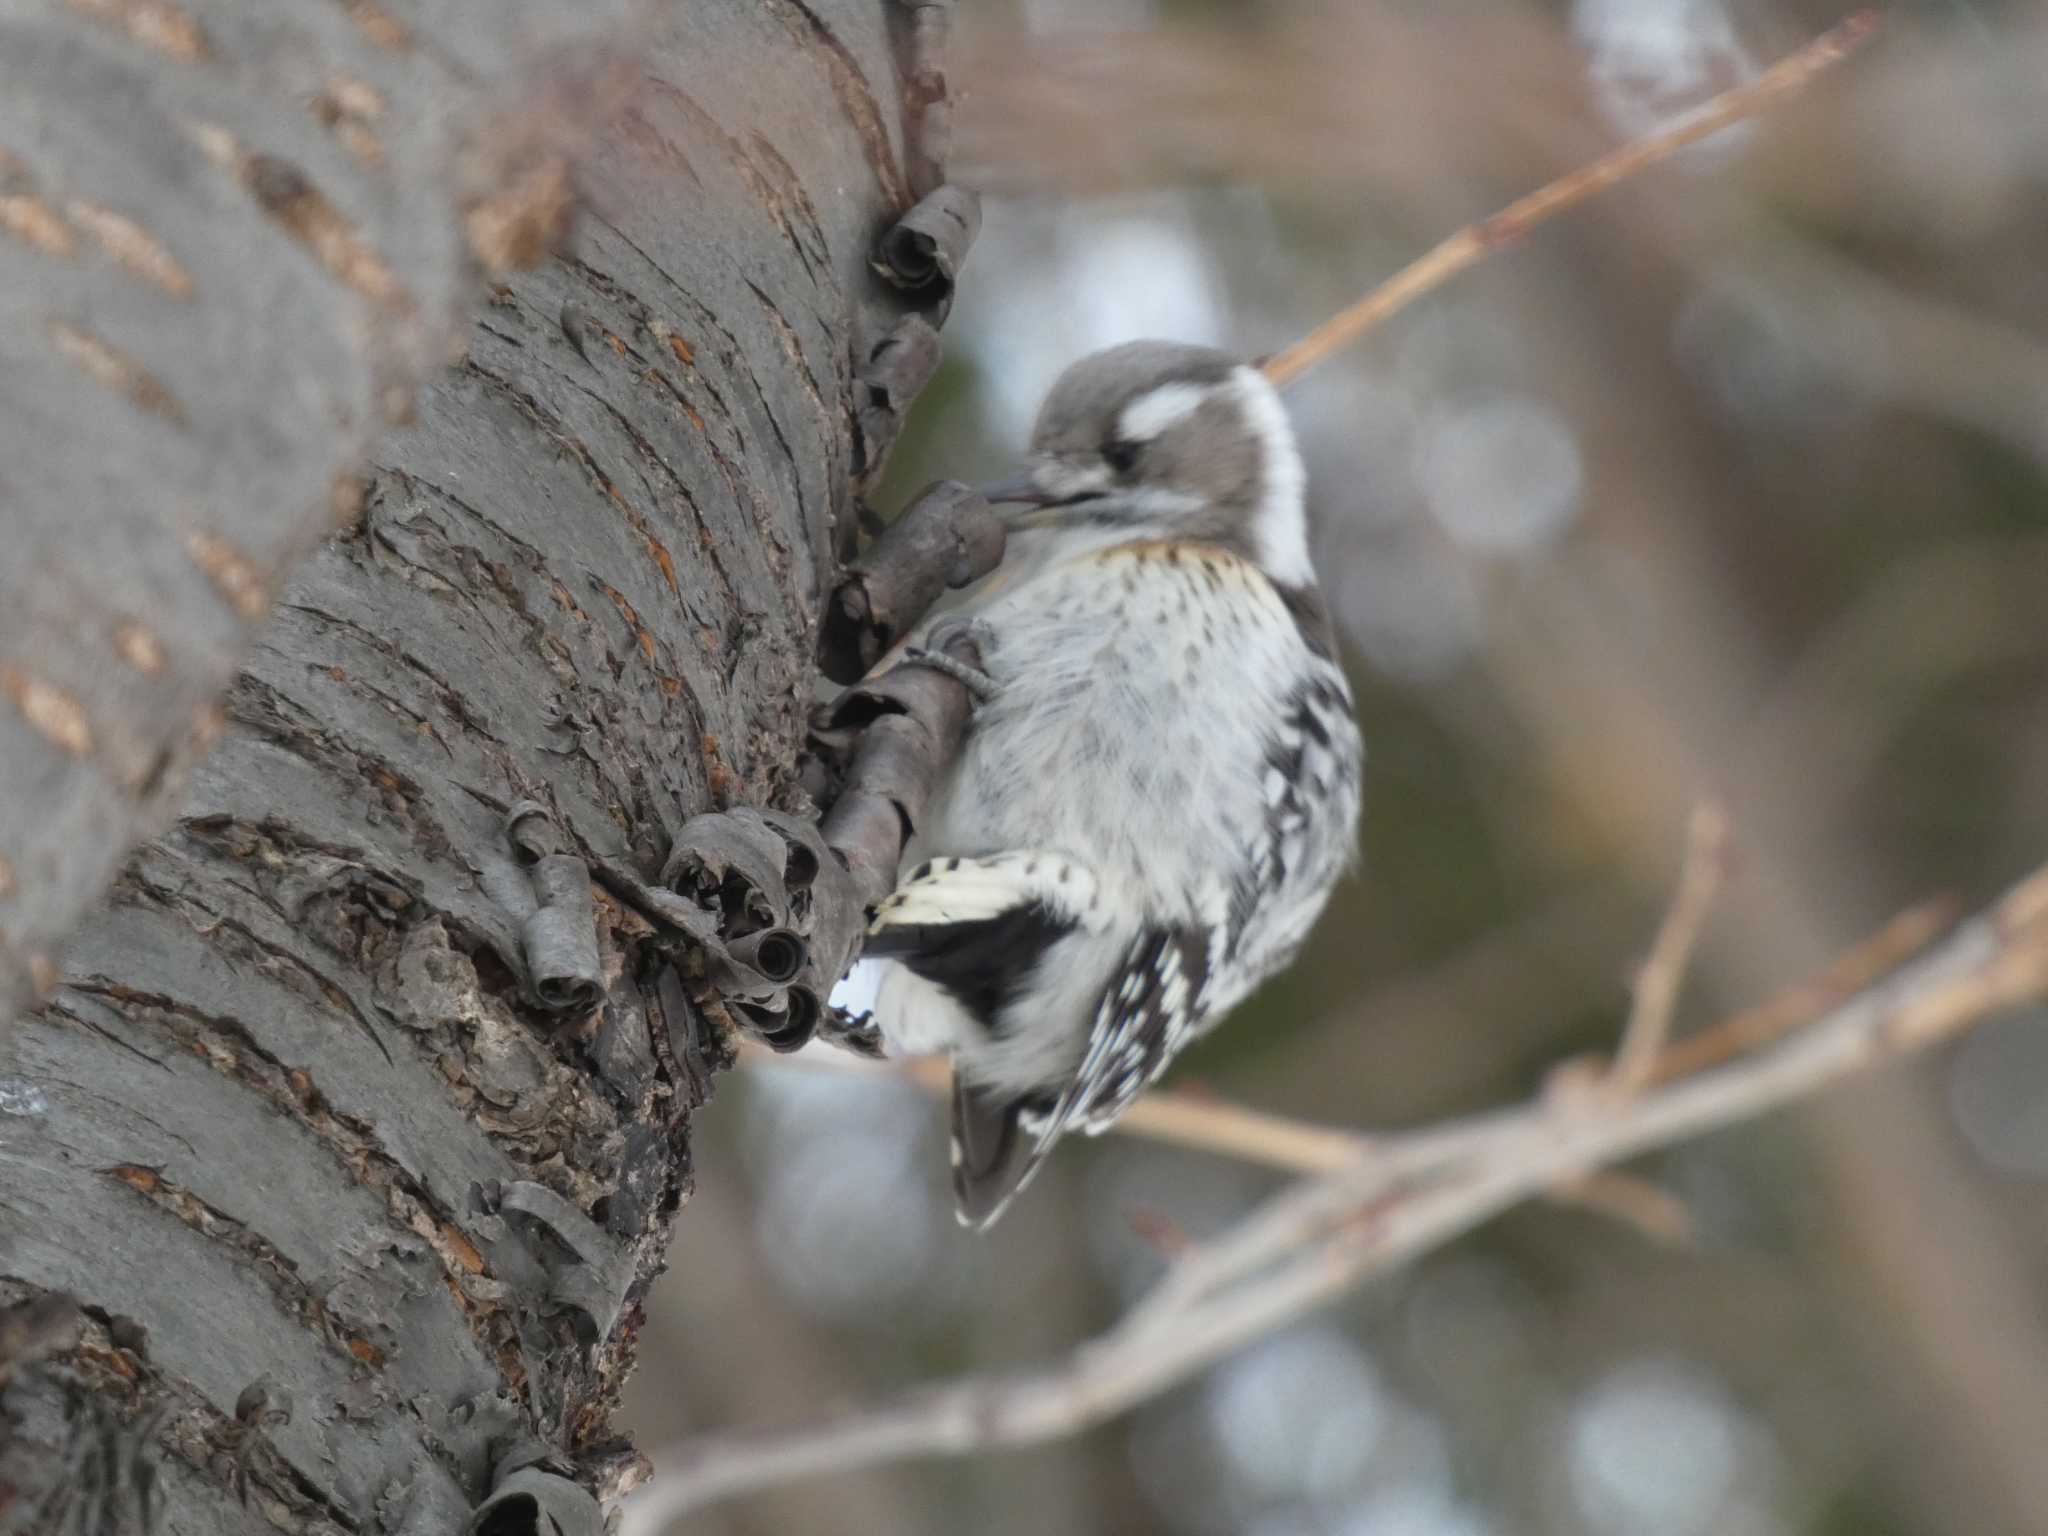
[[855, 1032], [934, 653]]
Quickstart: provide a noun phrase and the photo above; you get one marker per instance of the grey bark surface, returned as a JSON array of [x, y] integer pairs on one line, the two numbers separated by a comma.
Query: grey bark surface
[[358, 1220], [234, 240]]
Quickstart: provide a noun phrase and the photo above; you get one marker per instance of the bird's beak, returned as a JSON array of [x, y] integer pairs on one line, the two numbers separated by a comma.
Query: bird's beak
[[1020, 488]]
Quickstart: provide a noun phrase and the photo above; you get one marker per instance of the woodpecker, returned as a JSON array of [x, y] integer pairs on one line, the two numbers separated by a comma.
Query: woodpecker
[[1159, 784]]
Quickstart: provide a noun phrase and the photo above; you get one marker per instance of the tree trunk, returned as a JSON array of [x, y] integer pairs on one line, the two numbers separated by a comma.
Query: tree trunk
[[359, 1228]]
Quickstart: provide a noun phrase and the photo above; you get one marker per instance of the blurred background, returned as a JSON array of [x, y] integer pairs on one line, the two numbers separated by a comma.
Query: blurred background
[[1734, 482]]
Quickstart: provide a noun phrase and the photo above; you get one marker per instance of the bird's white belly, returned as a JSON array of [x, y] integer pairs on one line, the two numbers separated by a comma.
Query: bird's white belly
[[1131, 719]]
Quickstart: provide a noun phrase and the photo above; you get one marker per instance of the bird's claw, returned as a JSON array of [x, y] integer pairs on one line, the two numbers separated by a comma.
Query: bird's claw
[[856, 1032], [973, 679], [933, 654]]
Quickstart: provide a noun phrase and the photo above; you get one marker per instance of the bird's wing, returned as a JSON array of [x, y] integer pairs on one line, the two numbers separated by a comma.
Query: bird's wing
[[1152, 1006], [977, 927]]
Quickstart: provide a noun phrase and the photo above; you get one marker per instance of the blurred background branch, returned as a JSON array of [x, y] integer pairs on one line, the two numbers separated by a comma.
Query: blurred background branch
[[1185, 1118], [1399, 1199], [1474, 243], [1655, 995]]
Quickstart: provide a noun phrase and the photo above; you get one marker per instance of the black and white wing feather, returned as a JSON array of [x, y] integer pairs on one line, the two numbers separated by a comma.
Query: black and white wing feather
[[1153, 1006], [1311, 793]]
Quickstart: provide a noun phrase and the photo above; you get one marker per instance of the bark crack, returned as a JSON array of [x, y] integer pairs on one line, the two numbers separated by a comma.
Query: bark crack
[[229, 1047], [548, 646], [279, 1274], [86, 1091], [857, 97], [273, 959], [452, 703], [559, 431], [705, 538], [793, 349]]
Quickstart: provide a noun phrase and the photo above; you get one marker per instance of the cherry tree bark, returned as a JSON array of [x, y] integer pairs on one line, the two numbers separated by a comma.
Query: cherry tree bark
[[355, 1117]]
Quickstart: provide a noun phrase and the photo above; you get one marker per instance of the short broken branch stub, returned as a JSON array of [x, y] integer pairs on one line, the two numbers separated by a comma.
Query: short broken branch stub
[[923, 251], [948, 537], [911, 720], [558, 928], [892, 376]]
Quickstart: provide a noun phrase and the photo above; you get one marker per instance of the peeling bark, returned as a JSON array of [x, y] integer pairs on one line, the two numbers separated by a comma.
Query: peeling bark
[[234, 241], [357, 1192]]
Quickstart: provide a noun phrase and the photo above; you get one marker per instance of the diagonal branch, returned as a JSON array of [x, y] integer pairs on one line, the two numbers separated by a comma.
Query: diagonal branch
[[1777, 1016], [1318, 1238], [1180, 1117], [1661, 975], [1472, 244]]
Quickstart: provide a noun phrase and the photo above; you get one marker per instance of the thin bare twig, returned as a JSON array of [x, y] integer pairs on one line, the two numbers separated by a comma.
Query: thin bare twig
[[1663, 972], [1205, 1123], [1198, 1121], [1311, 1242], [1475, 242], [1651, 1209], [1883, 952]]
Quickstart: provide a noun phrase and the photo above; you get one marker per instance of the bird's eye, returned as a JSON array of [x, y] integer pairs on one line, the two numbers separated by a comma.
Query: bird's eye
[[1120, 456]]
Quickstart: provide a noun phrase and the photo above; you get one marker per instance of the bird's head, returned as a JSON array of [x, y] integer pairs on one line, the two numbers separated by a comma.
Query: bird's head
[[1169, 441]]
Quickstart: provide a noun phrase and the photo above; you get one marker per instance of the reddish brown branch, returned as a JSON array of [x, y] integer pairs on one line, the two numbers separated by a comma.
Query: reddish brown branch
[[1475, 242]]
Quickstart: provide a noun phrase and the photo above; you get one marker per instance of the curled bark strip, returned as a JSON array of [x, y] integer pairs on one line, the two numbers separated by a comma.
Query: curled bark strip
[[532, 831], [699, 1051], [734, 974], [914, 718], [827, 908], [560, 938], [768, 906], [592, 1280], [785, 1022], [558, 926], [923, 251], [801, 859], [657, 903], [905, 729], [263, 1404], [731, 862], [948, 537], [775, 954], [535, 1502], [897, 369]]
